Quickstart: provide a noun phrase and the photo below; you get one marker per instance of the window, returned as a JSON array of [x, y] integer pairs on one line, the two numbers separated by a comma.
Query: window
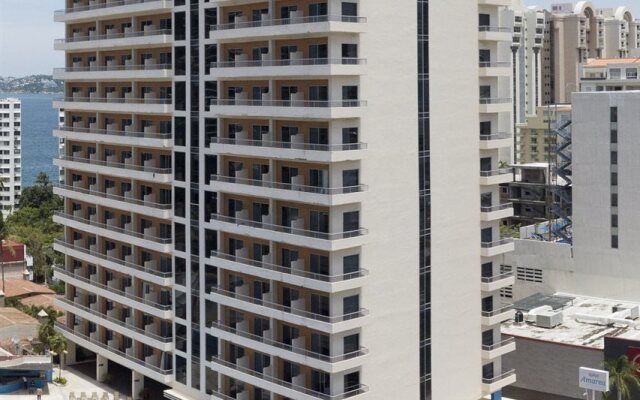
[[529, 274], [614, 241], [614, 221], [614, 114]]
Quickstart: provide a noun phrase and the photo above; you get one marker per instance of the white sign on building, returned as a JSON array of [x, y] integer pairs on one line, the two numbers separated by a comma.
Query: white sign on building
[[594, 379]]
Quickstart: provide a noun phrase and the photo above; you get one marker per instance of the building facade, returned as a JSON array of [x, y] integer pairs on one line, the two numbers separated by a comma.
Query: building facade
[[240, 221], [610, 75], [10, 148], [534, 141]]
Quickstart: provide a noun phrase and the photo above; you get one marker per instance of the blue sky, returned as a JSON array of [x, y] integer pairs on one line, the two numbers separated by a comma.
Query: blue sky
[[27, 31]]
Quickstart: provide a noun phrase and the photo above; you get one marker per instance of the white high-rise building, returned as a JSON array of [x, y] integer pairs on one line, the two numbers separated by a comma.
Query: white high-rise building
[[285, 199], [10, 149]]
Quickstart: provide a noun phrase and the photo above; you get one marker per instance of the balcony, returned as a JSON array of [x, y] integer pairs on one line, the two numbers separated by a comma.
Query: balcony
[[147, 272], [279, 386], [293, 108], [163, 343], [499, 3], [147, 138], [293, 276], [497, 316], [299, 67], [114, 103], [330, 364], [495, 141], [490, 249], [497, 212], [161, 245], [496, 177], [490, 105], [495, 350], [93, 9], [267, 27], [124, 203], [292, 314], [114, 72], [114, 41], [496, 282], [492, 385], [288, 191], [495, 33], [124, 297], [327, 241], [121, 170], [494, 68], [159, 374], [287, 150]]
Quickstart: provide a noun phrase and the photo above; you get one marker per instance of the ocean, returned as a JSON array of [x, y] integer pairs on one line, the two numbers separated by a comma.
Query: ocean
[[38, 144]]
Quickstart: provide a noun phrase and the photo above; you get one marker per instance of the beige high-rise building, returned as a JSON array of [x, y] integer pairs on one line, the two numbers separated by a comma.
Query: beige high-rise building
[[285, 199], [534, 143]]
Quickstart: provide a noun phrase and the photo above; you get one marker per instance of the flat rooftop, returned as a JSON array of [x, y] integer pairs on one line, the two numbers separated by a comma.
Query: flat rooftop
[[586, 322]]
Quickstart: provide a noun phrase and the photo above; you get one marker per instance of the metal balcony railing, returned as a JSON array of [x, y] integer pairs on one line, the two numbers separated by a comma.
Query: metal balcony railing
[[155, 170], [104, 4], [102, 68], [119, 100], [112, 132], [495, 64], [497, 311], [498, 207], [289, 62], [501, 29], [290, 186], [349, 393], [494, 346], [130, 200], [500, 377], [289, 21], [98, 343], [121, 35], [287, 229], [496, 278], [163, 339], [289, 103], [307, 353], [289, 145], [291, 271], [495, 136], [291, 310], [152, 271], [488, 245], [138, 235], [495, 100], [496, 172]]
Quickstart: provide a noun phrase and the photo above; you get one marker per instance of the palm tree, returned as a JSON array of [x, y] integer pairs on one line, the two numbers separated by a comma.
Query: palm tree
[[623, 376], [58, 344]]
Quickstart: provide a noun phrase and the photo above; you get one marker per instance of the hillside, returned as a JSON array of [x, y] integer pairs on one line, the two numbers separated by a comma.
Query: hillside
[[31, 84]]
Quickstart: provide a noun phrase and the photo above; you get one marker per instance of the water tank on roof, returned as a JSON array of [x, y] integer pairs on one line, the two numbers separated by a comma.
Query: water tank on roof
[[519, 317]]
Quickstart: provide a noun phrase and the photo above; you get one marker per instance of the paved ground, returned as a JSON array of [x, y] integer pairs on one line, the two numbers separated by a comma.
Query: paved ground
[[77, 383]]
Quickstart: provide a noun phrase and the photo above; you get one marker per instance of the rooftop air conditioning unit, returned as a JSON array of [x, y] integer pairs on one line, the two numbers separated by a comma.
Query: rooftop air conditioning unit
[[549, 319]]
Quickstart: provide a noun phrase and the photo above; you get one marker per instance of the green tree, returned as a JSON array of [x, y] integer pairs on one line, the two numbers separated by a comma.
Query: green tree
[[622, 376], [3, 248], [39, 194], [58, 344]]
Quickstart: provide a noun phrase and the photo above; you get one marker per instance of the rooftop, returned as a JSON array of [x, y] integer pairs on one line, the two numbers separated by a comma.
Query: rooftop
[[585, 322], [19, 288], [40, 300], [604, 62], [10, 316]]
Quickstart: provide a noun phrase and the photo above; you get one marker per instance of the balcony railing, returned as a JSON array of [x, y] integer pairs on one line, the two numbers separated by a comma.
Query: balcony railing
[[494, 346], [150, 135], [152, 271], [290, 186], [291, 310], [289, 62], [500, 377], [288, 103], [495, 136], [496, 278], [498, 207], [163, 307], [138, 235], [164, 339], [289, 145], [307, 353], [488, 245], [287, 229], [495, 64], [97, 6], [291, 271], [122, 35], [351, 392], [496, 172], [289, 21], [159, 370], [495, 100], [162, 171], [497, 311], [119, 100], [102, 68], [130, 200], [501, 29]]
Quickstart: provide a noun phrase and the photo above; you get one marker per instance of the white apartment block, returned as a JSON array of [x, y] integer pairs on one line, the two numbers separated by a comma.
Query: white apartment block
[[10, 157], [610, 75], [528, 43], [260, 201]]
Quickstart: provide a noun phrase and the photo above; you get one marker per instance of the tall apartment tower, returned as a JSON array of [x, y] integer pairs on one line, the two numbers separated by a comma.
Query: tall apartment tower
[[260, 203], [10, 149], [527, 47]]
